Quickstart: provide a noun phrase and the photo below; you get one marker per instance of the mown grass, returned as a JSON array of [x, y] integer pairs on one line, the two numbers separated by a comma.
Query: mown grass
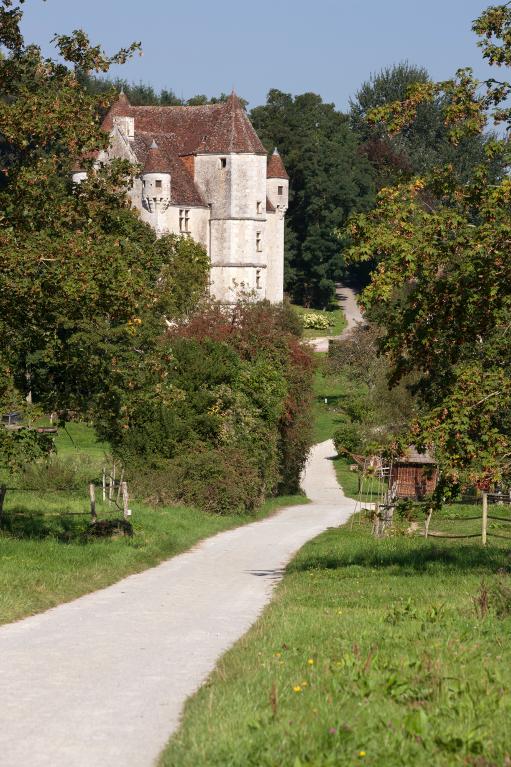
[[46, 557], [79, 438], [329, 391], [336, 318], [371, 489], [377, 652]]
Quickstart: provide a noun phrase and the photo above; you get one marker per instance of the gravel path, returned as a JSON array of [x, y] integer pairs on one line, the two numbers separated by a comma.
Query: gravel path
[[348, 303], [101, 681]]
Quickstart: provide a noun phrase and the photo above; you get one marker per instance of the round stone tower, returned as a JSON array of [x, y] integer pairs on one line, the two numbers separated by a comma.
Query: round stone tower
[[156, 187]]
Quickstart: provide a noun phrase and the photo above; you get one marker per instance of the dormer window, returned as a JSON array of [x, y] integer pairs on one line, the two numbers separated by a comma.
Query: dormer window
[[281, 190], [259, 207], [223, 162], [157, 183]]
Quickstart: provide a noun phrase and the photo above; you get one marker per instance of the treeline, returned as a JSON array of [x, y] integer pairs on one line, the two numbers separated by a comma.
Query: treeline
[[337, 163]]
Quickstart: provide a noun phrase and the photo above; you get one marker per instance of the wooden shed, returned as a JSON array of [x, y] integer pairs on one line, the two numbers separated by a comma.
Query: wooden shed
[[413, 475]]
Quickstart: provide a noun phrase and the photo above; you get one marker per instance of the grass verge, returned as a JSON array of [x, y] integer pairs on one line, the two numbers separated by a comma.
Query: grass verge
[[331, 391], [380, 652], [46, 559]]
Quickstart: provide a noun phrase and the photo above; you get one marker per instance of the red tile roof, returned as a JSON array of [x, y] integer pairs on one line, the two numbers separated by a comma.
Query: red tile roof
[[231, 132], [156, 161], [183, 131], [276, 166], [182, 188]]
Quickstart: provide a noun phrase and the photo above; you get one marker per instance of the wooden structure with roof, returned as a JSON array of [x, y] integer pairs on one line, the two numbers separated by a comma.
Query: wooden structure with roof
[[413, 475]]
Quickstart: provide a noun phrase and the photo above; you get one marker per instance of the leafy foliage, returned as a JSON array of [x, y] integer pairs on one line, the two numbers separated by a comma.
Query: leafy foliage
[[441, 289], [232, 425], [86, 287], [423, 143]]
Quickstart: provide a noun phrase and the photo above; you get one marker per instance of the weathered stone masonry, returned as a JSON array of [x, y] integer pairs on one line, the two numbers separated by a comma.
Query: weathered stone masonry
[[205, 174]]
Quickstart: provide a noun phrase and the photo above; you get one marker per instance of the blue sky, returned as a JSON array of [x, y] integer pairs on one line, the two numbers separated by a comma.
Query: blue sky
[[326, 46]]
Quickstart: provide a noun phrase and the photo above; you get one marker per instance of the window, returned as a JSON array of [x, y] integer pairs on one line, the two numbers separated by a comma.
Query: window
[[258, 242], [157, 183], [184, 220], [258, 280], [281, 190], [223, 162], [259, 207]]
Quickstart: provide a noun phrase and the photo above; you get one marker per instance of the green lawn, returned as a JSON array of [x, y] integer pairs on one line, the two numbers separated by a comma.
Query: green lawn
[[372, 488], [373, 652], [45, 558], [78, 439], [336, 318], [333, 389]]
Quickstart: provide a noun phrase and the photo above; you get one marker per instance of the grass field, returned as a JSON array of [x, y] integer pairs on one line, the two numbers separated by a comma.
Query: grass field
[[331, 391], [46, 558], [380, 652], [336, 318], [78, 439]]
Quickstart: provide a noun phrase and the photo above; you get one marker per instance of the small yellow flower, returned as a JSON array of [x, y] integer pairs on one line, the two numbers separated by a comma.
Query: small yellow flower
[[278, 654], [297, 688], [361, 753], [304, 684], [311, 661]]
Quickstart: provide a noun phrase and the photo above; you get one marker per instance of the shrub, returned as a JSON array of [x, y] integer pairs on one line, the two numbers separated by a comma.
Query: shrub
[[219, 480], [347, 438], [316, 321], [62, 474], [232, 423]]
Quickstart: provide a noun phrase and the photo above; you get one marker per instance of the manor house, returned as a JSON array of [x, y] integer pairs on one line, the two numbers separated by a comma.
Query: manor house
[[205, 174]]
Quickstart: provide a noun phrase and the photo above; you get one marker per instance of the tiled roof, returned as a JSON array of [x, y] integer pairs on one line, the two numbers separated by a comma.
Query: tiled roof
[[183, 131], [276, 166], [211, 128], [232, 131], [78, 165], [412, 455], [182, 188], [156, 161], [120, 108]]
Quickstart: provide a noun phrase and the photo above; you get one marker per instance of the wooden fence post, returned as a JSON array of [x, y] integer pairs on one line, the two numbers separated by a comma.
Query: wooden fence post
[[119, 489], [92, 496], [485, 519], [3, 490], [428, 520], [104, 484], [111, 484], [125, 500]]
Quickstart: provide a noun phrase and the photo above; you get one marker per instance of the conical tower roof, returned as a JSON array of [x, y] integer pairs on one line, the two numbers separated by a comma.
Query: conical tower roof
[[232, 131], [275, 168], [156, 161], [120, 108]]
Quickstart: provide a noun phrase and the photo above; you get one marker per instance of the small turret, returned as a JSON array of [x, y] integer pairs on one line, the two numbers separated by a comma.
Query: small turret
[[156, 185], [78, 171], [78, 174], [156, 179], [277, 182]]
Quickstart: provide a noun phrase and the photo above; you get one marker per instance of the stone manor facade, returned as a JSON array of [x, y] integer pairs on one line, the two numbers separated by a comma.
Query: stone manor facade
[[206, 175]]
